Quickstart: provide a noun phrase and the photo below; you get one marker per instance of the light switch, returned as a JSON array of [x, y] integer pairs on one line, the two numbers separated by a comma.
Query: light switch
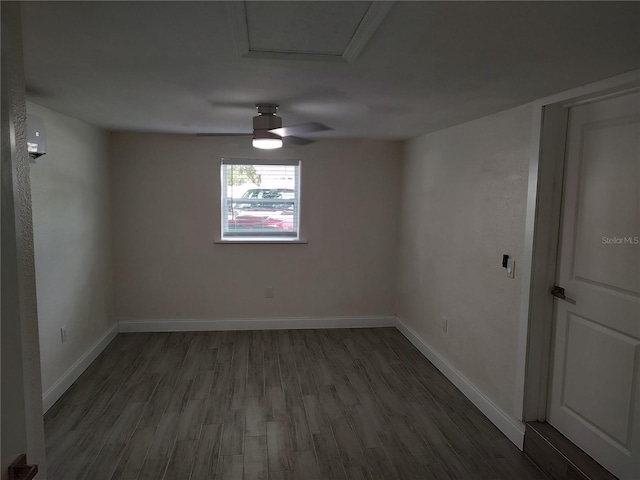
[[511, 268]]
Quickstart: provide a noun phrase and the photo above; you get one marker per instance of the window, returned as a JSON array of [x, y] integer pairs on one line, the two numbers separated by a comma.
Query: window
[[260, 200]]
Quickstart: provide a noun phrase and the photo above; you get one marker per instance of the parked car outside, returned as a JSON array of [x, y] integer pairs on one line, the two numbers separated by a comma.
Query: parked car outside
[[260, 223], [262, 210], [272, 199]]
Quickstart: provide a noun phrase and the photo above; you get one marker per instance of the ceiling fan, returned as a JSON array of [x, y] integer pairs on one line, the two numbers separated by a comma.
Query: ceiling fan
[[268, 132]]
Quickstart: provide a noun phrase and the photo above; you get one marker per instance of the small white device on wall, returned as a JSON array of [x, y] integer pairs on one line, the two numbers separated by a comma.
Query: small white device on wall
[[36, 137]]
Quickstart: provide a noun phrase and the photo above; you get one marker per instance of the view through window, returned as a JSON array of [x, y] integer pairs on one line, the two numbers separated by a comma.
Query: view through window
[[260, 199]]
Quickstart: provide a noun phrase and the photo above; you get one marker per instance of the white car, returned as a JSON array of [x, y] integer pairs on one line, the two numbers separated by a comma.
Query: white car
[[270, 199]]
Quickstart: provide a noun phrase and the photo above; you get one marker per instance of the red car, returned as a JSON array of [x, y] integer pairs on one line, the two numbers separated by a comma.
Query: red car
[[259, 223]]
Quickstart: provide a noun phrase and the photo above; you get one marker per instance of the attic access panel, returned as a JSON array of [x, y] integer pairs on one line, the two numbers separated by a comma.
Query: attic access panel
[[305, 30]]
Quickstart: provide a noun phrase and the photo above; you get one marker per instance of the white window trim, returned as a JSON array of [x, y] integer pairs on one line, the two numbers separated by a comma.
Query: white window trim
[[261, 240]]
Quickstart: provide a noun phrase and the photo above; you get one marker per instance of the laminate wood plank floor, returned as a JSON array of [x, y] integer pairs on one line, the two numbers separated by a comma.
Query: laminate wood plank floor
[[272, 405]]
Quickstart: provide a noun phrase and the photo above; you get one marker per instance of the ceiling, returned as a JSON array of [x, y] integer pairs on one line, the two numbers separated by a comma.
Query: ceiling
[[364, 69]]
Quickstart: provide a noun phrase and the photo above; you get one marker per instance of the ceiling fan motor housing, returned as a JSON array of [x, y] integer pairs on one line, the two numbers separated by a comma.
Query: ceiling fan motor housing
[[266, 120]]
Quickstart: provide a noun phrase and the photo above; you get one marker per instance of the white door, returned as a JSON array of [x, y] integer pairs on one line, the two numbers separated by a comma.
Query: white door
[[595, 377]]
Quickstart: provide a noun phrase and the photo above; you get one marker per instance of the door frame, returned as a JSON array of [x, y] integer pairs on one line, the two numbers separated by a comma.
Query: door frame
[[22, 389], [544, 201]]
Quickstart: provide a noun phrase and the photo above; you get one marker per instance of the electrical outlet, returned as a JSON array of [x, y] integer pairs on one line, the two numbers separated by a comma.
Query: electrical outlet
[[445, 325], [268, 292], [63, 334]]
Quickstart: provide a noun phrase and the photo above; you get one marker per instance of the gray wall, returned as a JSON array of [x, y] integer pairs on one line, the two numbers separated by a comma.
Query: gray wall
[[464, 193], [166, 194], [72, 233]]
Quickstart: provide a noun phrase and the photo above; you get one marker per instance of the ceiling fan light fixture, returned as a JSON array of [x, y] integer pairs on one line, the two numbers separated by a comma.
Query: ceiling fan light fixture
[[267, 143], [266, 120]]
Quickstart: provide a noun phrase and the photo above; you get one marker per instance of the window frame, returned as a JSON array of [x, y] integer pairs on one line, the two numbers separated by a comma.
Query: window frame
[[250, 237]]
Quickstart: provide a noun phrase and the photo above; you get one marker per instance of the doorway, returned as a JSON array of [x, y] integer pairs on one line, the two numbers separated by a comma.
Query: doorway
[[584, 344]]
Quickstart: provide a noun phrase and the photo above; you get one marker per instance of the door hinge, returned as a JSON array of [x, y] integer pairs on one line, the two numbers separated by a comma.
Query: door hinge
[[19, 470]]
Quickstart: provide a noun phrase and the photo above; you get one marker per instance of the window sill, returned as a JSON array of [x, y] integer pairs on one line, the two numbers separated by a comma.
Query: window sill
[[260, 241]]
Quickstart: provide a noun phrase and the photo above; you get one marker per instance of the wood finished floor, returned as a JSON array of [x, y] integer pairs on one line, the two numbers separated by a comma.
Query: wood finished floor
[[274, 405]]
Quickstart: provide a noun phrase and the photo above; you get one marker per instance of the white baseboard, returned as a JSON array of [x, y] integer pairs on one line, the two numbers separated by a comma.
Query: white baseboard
[[511, 428], [199, 325], [71, 375]]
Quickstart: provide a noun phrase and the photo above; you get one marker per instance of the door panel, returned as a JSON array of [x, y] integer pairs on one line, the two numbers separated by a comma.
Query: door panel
[[606, 192], [595, 385], [586, 375]]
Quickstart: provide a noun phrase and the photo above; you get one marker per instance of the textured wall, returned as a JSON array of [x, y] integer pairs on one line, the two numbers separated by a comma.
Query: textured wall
[[72, 233], [464, 192], [19, 306], [167, 214]]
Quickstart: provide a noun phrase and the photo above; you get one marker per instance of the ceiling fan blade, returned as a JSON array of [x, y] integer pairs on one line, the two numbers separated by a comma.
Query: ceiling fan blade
[[222, 134], [297, 140], [300, 129]]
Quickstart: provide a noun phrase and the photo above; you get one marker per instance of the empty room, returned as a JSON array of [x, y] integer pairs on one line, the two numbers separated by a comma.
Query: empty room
[[274, 240]]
